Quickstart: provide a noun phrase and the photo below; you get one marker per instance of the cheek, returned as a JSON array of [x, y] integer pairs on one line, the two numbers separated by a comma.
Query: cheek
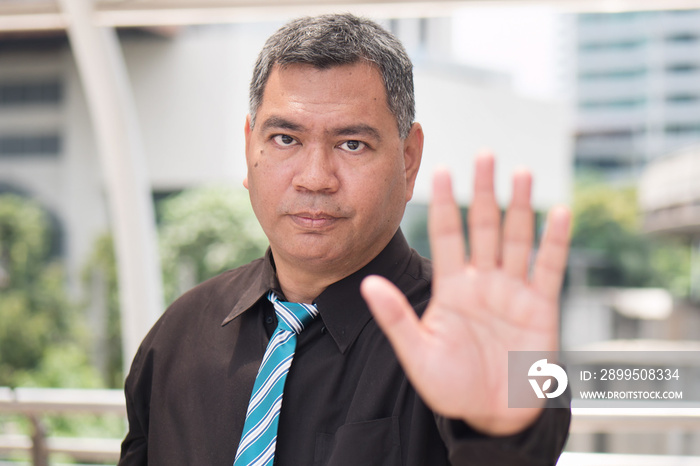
[[258, 187], [382, 193], [394, 182], [267, 184], [260, 174]]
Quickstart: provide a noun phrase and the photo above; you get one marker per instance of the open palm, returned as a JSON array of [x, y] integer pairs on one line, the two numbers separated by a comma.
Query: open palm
[[456, 355]]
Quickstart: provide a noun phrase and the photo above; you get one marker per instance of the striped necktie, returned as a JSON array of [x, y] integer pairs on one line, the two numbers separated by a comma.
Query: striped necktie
[[257, 445]]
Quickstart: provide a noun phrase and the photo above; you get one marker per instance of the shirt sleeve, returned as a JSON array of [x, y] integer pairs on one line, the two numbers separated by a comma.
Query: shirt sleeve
[[134, 451], [538, 445]]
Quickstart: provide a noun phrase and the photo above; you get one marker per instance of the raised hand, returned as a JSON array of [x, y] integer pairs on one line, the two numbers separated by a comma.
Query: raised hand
[[456, 355]]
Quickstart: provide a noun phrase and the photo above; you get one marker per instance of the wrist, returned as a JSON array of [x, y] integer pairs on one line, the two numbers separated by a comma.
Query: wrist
[[513, 422]]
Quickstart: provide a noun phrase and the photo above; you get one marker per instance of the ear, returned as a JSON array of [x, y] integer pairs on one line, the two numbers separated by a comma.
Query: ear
[[412, 154], [246, 131]]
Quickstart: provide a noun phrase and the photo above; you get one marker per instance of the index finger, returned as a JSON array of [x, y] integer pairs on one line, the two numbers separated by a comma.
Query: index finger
[[550, 264]]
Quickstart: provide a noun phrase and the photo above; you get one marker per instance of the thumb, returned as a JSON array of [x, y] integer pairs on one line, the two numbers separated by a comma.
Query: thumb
[[395, 317]]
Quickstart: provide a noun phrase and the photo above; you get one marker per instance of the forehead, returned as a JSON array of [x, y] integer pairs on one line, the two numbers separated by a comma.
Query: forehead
[[355, 91]]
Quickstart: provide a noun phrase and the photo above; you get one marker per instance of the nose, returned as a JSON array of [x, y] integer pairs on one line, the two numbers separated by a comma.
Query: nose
[[316, 171]]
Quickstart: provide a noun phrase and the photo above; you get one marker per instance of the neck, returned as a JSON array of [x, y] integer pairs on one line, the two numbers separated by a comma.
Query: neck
[[302, 286], [304, 282]]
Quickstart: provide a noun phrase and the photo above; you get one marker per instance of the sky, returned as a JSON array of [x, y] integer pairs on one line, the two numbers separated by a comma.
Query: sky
[[525, 42]]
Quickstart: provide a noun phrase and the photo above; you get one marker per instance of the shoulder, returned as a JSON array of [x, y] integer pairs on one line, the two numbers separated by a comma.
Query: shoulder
[[222, 290], [200, 311]]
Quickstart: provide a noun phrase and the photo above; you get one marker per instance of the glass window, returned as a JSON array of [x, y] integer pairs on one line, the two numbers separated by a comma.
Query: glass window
[[20, 145], [611, 18], [29, 93], [599, 163], [608, 136], [681, 129], [622, 45], [613, 74], [681, 68], [682, 37], [613, 103], [682, 98]]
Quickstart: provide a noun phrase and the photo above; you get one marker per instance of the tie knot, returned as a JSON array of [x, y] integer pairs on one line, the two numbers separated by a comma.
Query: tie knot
[[292, 316]]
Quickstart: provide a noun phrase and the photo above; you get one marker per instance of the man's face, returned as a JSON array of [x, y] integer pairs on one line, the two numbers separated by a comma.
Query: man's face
[[328, 174]]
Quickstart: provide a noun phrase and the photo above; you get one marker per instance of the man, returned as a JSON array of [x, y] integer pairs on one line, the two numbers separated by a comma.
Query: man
[[332, 154]]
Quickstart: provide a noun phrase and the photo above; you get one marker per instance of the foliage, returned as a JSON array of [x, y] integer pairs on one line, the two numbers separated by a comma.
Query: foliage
[[43, 342], [66, 365], [607, 227], [101, 265], [37, 315], [206, 231]]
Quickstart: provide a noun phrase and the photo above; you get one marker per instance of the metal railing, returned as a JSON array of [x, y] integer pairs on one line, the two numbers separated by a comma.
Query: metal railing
[[35, 404]]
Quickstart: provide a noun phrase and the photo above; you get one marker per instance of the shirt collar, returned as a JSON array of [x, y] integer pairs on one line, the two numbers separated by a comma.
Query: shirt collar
[[342, 308], [262, 282]]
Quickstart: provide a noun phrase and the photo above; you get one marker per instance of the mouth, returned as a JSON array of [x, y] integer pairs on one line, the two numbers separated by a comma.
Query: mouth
[[313, 220]]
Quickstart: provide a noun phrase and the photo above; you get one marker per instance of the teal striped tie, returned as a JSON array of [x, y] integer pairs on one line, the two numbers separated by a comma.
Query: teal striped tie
[[257, 445]]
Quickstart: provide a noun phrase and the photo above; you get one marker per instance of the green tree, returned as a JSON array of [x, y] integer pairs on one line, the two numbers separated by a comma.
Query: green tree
[[37, 316], [101, 266], [607, 226], [205, 231]]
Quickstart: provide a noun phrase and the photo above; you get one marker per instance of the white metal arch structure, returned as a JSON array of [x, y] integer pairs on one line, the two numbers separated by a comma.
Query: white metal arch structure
[[32, 15], [113, 113], [91, 24]]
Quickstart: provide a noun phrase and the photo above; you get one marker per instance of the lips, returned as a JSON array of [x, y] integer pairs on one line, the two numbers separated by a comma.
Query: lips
[[313, 220]]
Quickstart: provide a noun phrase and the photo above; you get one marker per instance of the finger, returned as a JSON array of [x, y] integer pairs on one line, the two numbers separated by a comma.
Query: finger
[[550, 264], [445, 227], [395, 317], [518, 229], [484, 216]]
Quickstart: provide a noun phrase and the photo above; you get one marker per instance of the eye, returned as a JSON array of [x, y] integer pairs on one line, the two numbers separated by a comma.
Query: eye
[[353, 146], [284, 140]]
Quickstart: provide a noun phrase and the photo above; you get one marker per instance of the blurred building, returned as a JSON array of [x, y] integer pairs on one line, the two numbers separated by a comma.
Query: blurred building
[[637, 85], [644, 319], [190, 86], [637, 94], [669, 198], [669, 194], [190, 89]]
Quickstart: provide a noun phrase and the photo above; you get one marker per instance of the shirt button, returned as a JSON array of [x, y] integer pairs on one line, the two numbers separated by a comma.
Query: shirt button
[[268, 319], [324, 330]]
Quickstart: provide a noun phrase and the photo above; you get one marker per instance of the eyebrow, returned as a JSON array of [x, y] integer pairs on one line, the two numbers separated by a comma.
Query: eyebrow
[[360, 129], [276, 122]]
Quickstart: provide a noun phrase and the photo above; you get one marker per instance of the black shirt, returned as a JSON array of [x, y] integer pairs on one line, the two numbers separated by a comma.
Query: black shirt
[[346, 399]]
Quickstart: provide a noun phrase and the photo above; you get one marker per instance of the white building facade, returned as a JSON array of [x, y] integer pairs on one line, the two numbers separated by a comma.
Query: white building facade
[[637, 84]]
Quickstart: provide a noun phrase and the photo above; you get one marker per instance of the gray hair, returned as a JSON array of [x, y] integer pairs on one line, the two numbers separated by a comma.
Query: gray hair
[[333, 40]]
